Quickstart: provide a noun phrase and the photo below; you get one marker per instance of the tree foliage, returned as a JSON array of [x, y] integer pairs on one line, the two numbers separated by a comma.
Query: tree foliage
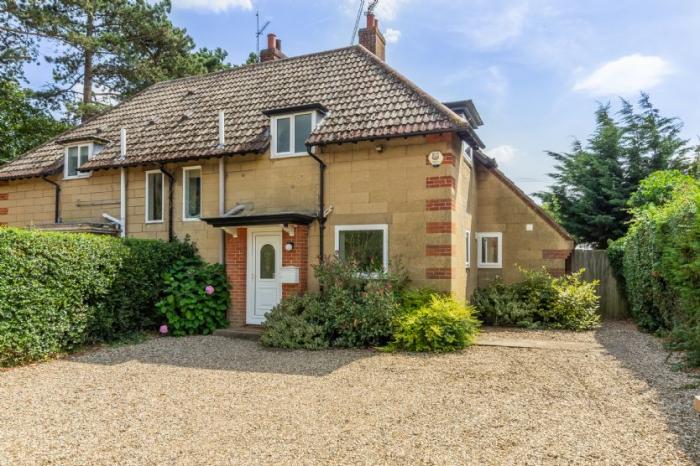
[[593, 182], [23, 123], [106, 50]]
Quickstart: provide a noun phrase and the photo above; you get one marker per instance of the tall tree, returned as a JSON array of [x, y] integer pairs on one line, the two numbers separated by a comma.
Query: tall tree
[[23, 124], [17, 46], [108, 49], [593, 183]]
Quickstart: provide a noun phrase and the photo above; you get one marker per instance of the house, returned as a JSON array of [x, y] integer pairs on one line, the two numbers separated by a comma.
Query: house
[[271, 166]]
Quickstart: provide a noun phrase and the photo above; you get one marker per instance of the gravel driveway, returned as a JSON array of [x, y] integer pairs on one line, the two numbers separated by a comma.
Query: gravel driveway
[[210, 400]]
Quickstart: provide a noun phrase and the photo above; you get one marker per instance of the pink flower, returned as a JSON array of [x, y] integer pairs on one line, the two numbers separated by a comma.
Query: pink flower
[[209, 290], [163, 329]]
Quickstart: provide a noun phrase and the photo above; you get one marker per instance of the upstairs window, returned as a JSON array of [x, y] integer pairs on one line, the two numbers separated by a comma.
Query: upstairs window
[[490, 250], [467, 152], [289, 133], [75, 157], [192, 193], [154, 196]]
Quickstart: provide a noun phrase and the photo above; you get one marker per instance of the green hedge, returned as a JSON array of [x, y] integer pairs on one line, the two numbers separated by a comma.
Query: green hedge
[[59, 291], [661, 259], [540, 301]]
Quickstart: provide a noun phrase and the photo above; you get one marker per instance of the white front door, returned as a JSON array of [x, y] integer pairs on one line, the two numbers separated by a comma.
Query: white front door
[[265, 289]]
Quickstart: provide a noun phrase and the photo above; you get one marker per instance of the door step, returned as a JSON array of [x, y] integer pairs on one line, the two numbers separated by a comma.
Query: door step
[[241, 333]]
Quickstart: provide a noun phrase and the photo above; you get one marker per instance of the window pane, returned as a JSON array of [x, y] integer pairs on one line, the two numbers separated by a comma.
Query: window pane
[[72, 162], [267, 261], [468, 251], [283, 129], [489, 250], [302, 129], [365, 247], [84, 153], [155, 197], [193, 193]]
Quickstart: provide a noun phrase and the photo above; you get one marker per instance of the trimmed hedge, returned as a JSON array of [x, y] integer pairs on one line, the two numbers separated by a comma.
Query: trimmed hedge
[[659, 258], [59, 291]]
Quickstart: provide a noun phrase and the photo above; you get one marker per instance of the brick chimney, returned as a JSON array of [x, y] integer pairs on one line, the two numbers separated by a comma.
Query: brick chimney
[[273, 50], [372, 39]]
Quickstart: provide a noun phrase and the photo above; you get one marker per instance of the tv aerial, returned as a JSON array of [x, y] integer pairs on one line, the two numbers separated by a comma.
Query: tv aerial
[[259, 31]]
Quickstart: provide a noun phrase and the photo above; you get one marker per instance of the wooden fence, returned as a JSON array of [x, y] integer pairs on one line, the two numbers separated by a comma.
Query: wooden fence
[[613, 304]]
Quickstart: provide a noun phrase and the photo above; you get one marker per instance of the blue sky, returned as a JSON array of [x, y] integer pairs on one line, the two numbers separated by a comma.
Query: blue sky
[[536, 69]]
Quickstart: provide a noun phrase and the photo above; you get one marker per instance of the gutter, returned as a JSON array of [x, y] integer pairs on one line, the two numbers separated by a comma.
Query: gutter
[[321, 205], [122, 202], [57, 207], [171, 182]]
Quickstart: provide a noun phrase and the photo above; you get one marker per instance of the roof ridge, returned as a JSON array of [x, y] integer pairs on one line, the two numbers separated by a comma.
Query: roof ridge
[[239, 68], [429, 99]]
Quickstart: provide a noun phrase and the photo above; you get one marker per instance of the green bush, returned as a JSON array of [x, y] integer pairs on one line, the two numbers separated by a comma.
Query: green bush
[[288, 326], [138, 286], [442, 325], [415, 298], [59, 291], [51, 285], [353, 309], [540, 301], [661, 260], [196, 298]]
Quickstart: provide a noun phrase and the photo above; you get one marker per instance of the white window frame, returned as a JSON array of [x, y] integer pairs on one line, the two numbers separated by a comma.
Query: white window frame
[[185, 218], [315, 119], [80, 174], [375, 227], [468, 252], [148, 197], [489, 265], [467, 152]]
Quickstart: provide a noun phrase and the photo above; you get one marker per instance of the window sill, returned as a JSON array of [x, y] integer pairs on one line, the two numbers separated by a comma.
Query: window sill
[[78, 177], [289, 156], [154, 222], [195, 219], [490, 266]]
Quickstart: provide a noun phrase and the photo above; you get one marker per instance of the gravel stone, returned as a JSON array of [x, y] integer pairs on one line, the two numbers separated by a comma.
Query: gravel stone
[[212, 400]]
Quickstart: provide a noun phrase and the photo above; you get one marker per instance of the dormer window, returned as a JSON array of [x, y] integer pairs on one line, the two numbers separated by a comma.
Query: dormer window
[[290, 131], [76, 156]]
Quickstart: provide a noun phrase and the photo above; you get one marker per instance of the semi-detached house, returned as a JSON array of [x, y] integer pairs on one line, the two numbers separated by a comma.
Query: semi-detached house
[[270, 166]]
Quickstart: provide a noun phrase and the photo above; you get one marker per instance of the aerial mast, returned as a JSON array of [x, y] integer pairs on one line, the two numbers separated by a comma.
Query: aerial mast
[[370, 10], [259, 32]]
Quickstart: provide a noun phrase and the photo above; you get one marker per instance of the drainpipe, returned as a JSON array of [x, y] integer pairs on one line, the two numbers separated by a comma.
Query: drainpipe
[[57, 207], [171, 182], [222, 206], [122, 202], [321, 205]]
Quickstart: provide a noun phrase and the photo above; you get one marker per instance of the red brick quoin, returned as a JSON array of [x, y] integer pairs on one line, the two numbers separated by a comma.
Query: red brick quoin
[[4, 196], [440, 182], [4, 211], [555, 253], [440, 227], [438, 250], [440, 204]]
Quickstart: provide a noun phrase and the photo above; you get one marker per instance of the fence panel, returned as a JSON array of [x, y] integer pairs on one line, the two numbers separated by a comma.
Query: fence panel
[[613, 304]]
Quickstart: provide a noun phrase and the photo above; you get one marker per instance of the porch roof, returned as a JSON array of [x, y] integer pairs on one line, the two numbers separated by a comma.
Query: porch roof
[[273, 218]]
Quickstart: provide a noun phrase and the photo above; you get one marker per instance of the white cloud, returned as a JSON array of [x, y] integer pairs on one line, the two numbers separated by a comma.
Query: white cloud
[[499, 28], [392, 36], [504, 154], [626, 75], [213, 5]]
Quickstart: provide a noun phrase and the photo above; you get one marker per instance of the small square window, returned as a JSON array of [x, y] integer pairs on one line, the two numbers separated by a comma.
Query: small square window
[[290, 132], [192, 193], [367, 245], [490, 250], [154, 197], [76, 156]]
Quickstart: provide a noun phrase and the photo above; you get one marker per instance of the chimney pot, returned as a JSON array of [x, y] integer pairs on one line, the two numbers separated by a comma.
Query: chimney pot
[[278, 44], [370, 21], [273, 50], [271, 41], [371, 37]]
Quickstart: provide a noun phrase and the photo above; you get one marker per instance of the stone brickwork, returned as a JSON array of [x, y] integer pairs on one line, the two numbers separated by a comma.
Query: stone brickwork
[[236, 269], [298, 257]]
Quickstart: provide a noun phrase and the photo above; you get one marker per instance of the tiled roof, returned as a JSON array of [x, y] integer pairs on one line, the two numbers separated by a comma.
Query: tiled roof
[[178, 120]]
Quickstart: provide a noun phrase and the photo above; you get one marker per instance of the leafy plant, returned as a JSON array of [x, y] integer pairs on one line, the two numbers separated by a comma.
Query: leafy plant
[[289, 326], [416, 298], [540, 301], [442, 325], [196, 298]]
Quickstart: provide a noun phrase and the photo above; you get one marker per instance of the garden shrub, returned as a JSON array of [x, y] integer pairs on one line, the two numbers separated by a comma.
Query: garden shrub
[[661, 260], [59, 290], [540, 301], [131, 306], [195, 298], [443, 324], [415, 298], [51, 287], [353, 309]]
